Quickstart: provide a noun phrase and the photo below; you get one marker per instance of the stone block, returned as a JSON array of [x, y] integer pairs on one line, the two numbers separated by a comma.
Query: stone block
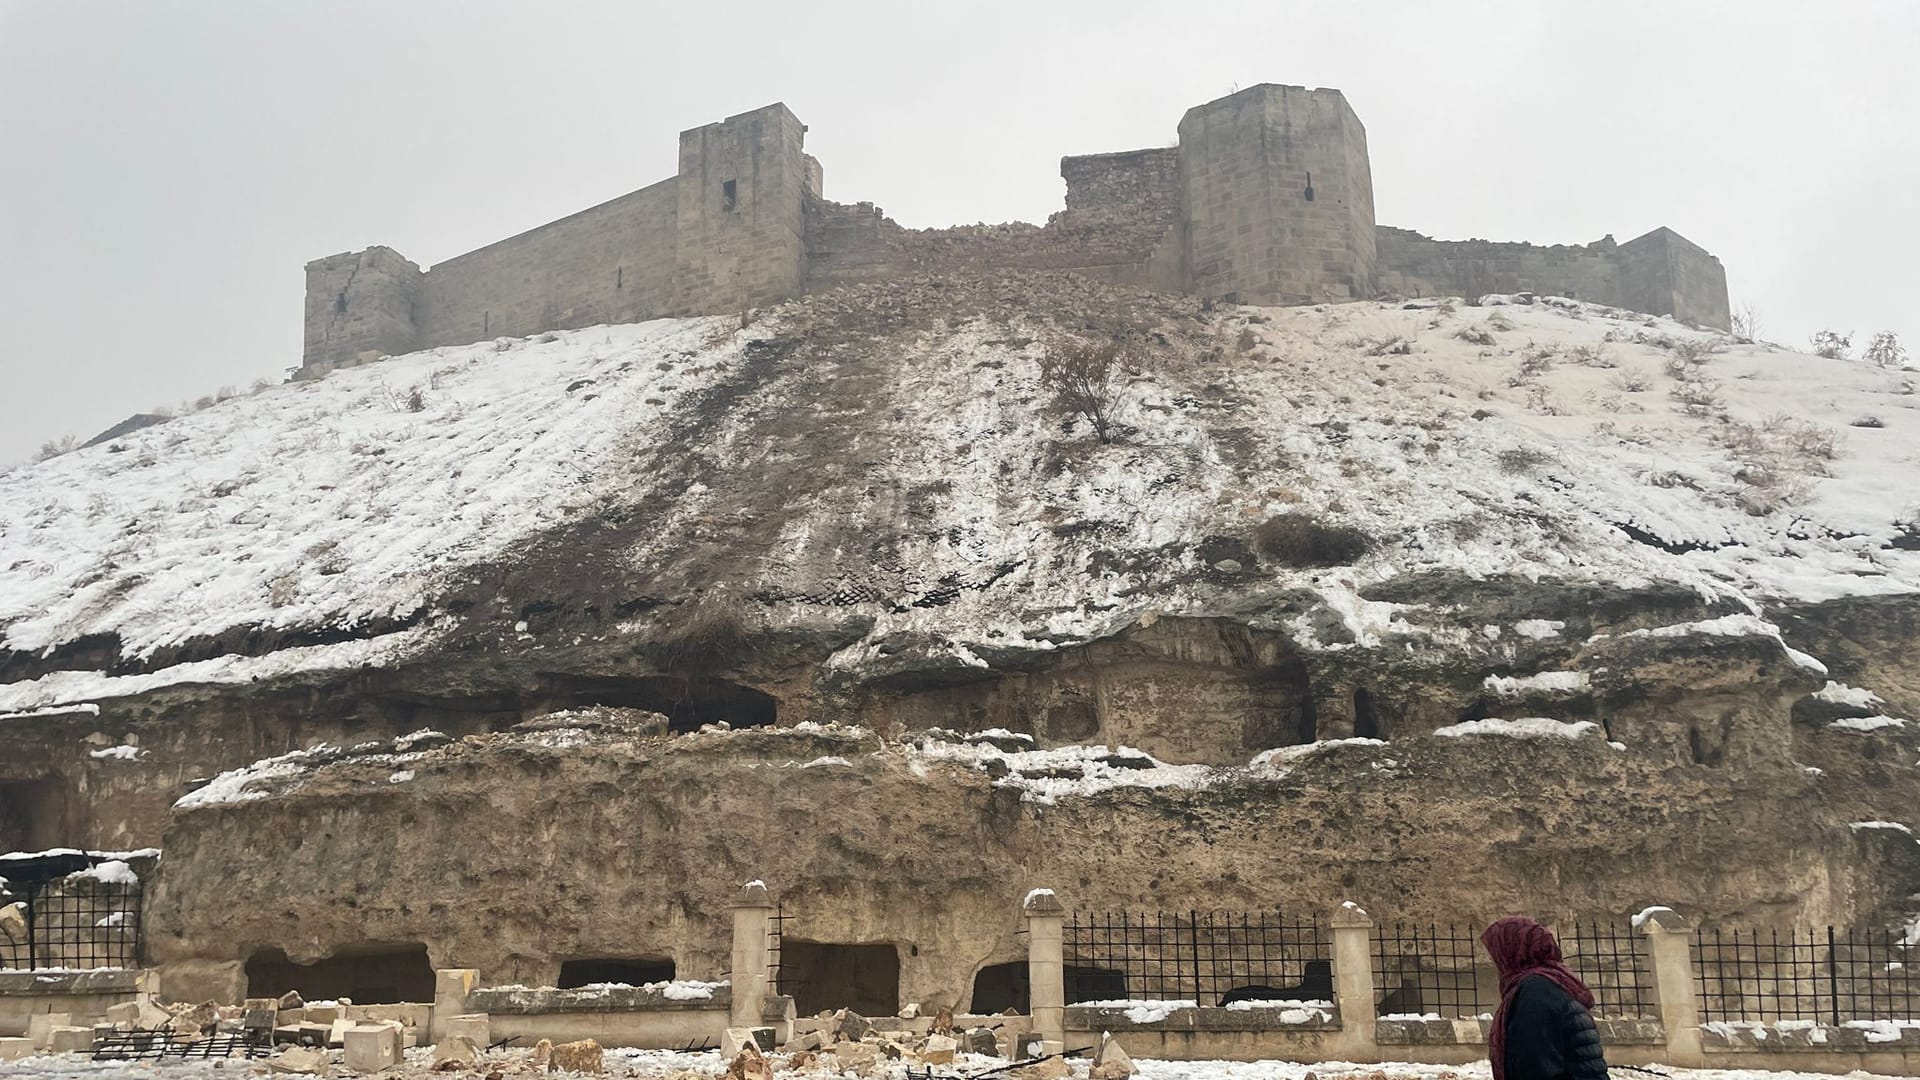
[[939, 1050], [151, 1015], [542, 1056], [39, 1025], [15, 1049], [981, 1040], [320, 1014], [749, 1064], [69, 1040], [458, 1049], [127, 1012], [301, 1059], [734, 1039], [308, 1033], [1110, 1062], [856, 1055], [337, 1031], [291, 1000], [805, 1041], [475, 1027], [373, 1047], [582, 1056], [851, 1026]]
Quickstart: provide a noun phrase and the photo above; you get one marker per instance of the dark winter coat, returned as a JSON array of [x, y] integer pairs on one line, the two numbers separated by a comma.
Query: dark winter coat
[[1550, 1036]]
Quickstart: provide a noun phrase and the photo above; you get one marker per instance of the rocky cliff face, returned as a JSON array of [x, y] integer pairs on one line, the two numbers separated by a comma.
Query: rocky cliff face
[[1460, 530]]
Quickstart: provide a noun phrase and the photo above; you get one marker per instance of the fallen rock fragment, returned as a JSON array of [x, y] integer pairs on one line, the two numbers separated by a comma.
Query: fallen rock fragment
[[301, 1059], [581, 1056], [749, 1064]]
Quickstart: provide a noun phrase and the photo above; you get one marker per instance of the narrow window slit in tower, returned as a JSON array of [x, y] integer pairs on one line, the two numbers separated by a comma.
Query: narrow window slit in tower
[[340, 303], [1309, 187], [728, 195], [619, 277]]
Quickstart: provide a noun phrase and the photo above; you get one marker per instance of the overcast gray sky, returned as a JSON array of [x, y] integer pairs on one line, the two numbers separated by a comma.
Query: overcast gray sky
[[169, 167]]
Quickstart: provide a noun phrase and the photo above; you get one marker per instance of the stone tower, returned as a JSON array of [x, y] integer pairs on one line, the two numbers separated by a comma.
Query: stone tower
[[738, 240], [1277, 197], [359, 307]]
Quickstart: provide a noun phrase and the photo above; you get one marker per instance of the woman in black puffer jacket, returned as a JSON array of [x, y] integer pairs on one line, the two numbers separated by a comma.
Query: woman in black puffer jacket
[[1544, 1027]]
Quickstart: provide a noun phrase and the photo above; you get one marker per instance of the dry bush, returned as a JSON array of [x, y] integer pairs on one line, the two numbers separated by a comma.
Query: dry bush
[[53, 448], [1832, 345], [1630, 382], [416, 400], [708, 637], [1592, 356], [1521, 459], [1746, 324], [1297, 540], [1475, 335], [1775, 458], [1535, 361], [1695, 352], [1498, 322], [1084, 378], [1698, 397], [1886, 351]]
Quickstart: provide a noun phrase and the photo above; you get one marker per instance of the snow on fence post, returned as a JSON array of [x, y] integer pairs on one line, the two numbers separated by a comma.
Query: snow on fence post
[[1353, 972], [752, 965], [1670, 955], [1046, 966], [452, 987]]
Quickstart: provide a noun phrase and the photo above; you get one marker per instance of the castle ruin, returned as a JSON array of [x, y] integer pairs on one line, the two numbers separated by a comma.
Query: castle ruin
[[1267, 199]]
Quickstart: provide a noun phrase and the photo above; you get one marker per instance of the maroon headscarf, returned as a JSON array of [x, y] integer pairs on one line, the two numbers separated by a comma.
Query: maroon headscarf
[[1519, 948]]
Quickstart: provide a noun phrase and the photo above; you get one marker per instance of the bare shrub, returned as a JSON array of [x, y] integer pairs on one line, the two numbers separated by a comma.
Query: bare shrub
[[1535, 361], [1886, 351], [1775, 458], [1630, 382], [1085, 380], [1475, 335], [1296, 539], [1592, 356], [1695, 352], [1746, 323], [708, 637], [53, 448], [416, 400], [259, 385], [1544, 403], [1832, 345], [1698, 397], [1521, 459]]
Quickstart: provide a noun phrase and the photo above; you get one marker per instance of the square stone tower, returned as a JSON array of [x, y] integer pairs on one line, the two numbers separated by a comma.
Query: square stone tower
[[359, 307], [1277, 197], [738, 224]]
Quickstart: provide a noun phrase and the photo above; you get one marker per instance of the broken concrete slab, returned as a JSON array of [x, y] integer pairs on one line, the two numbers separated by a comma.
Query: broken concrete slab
[[851, 1026], [856, 1055], [804, 1041], [982, 1040], [12, 1049]]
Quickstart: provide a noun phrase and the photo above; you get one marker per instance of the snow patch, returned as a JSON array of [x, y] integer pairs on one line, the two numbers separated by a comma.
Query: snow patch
[[1545, 682], [1865, 723], [1530, 727], [1838, 693], [111, 872]]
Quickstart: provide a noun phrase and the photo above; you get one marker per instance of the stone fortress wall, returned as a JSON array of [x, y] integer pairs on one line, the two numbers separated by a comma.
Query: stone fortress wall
[[1267, 199]]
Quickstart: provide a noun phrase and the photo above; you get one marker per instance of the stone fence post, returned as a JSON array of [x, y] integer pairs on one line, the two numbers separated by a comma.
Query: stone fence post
[[1670, 954], [1353, 976], [752, 965], [1046, 966]]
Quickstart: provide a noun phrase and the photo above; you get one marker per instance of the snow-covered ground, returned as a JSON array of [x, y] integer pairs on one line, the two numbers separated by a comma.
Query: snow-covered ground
[[1538, 441], [650, 1064]]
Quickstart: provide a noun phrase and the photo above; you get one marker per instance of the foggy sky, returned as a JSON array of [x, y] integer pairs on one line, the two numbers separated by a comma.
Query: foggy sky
[[167, 168]]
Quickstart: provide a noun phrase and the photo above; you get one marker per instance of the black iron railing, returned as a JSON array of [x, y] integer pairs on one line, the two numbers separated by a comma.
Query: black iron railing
[[1428, 970], [75, 921], [1611, 958], [1831, 976], [1196, 956]]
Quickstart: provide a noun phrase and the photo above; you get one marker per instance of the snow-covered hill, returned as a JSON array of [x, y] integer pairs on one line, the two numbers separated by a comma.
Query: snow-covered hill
[[891, 449]]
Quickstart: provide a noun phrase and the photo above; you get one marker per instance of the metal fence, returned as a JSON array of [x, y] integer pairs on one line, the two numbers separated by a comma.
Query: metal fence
[[1430, 970], [75, 923], [1611, 958], [1832, 976], [1197, 956]]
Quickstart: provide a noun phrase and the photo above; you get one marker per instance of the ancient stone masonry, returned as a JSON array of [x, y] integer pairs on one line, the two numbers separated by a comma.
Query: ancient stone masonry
[[1267, 199]]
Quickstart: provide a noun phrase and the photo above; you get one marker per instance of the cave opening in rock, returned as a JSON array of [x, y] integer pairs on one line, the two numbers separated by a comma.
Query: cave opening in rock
[[636, 971], [32, 815], [1094, 984], [1366, 725], [823, 975], [687, 703], [370, 974], [1000, 987]]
